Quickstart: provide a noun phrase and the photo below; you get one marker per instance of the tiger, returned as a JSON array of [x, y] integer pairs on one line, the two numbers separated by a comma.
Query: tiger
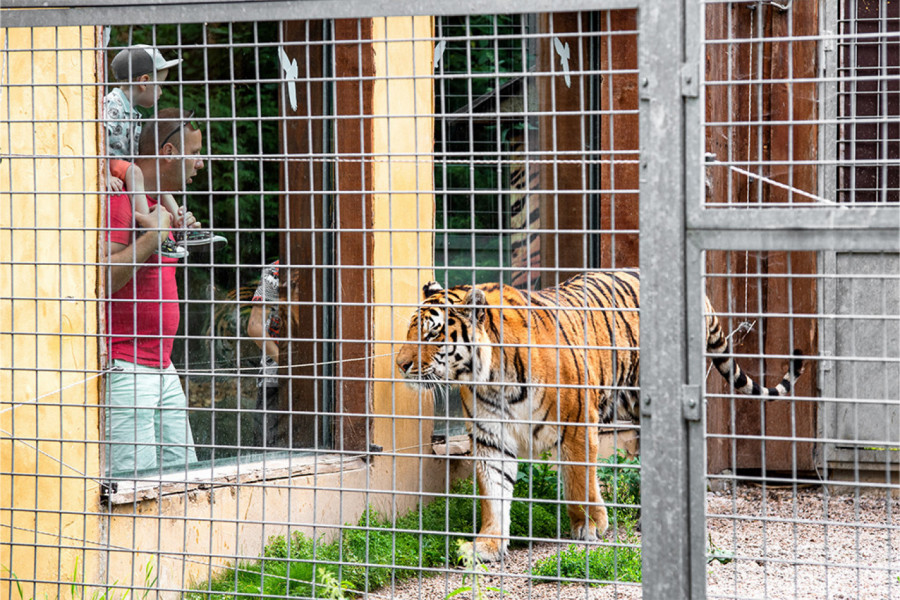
[[535, 368]]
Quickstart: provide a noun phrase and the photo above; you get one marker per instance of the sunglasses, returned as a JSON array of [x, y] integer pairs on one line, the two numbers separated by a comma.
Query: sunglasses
[[193, 124]]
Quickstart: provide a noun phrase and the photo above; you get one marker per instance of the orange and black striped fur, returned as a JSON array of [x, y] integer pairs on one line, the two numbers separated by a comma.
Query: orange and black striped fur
[[535, 369]]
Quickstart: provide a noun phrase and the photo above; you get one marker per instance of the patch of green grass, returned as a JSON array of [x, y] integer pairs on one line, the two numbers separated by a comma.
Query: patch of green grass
[[537, 481], [377, 551], [621, 562], [112, 592], [620, 478], [380, 550]]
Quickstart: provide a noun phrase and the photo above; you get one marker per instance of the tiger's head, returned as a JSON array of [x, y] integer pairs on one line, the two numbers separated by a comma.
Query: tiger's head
[[446, 341]]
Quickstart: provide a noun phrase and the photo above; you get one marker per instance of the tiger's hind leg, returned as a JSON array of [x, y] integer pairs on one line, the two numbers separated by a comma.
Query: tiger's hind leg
[[587, 513]]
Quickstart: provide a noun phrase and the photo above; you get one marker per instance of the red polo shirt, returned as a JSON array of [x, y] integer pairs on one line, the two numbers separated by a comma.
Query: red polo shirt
[[142, 317]]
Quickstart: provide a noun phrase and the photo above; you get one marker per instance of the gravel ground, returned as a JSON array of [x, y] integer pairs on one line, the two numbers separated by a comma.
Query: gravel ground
[[775, 544]]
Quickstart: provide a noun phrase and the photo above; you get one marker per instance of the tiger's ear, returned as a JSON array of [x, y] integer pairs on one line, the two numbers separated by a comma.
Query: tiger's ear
[[478, 300], [430, 289]]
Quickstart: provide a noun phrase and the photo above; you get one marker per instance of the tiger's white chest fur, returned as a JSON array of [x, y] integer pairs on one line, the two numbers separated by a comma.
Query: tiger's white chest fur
[[508, 416]]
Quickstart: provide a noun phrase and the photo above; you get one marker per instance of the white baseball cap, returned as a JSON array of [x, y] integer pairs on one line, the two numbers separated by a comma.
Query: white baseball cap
[[137, 60]]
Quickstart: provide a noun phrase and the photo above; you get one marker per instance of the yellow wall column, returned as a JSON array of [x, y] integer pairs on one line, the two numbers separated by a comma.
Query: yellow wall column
[[49, 421], [403, 140]]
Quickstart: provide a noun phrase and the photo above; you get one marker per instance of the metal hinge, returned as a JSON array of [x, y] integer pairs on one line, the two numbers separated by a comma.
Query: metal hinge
[[690, 402], [690, 80]]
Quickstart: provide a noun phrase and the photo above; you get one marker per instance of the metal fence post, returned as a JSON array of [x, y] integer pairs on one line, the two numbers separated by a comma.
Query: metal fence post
[[664, 91]]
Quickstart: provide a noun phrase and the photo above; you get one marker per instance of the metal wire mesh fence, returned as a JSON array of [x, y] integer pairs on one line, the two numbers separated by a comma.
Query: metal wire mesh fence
[[304, 304]]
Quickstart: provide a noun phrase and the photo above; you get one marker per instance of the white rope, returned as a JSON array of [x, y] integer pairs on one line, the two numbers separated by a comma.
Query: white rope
[[34, 401], [105, 546], [256, 368], [777, 184], [746, 327], [50, 456], [210, 372]]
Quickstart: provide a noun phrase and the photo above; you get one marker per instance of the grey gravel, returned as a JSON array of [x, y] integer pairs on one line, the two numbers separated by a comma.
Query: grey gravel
[[770, 544]]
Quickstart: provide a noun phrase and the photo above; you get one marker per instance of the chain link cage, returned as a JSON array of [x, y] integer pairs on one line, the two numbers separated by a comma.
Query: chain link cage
[[334, 300]]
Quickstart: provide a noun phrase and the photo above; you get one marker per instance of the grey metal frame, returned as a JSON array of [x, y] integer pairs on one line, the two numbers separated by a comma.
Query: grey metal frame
[[673, 368], [670, 546], [828, 259], [137, 12]]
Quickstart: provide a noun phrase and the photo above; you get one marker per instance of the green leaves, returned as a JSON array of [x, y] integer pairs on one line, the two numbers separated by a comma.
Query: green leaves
[[597, 566], [379, 550], [620, 480], [473, 570]]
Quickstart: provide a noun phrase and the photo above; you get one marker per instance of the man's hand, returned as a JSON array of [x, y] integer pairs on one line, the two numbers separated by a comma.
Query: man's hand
[[116, 184], [158, 219], [125, 260]]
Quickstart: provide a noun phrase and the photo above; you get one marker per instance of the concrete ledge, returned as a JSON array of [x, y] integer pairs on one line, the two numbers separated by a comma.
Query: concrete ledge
[[139, 490]]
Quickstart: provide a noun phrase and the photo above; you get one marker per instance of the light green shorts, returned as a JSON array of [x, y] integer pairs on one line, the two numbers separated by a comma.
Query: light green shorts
[[146, 421]]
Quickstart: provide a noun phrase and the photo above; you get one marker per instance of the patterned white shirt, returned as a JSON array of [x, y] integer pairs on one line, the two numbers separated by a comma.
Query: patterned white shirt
[[123, 125]]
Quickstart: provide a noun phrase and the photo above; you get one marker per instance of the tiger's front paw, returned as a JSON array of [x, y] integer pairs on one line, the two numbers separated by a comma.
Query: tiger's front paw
[[590, 529], [485, 550]]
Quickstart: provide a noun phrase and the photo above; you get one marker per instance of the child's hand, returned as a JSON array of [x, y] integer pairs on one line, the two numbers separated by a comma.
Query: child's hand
[[185, 219], [116, 184]]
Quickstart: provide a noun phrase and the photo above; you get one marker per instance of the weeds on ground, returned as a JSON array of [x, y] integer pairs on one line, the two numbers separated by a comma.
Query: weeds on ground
[[377, 551], [380, 550], [471, 566], [77, 591], [714, 553], [535, 519], [621, 562], [620, 479]]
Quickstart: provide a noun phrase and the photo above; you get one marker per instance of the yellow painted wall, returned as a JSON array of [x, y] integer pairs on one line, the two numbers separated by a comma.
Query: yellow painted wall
[[48, 365]]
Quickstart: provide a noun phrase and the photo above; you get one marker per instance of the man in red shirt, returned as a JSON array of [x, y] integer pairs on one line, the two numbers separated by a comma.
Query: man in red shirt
[[146, 420]]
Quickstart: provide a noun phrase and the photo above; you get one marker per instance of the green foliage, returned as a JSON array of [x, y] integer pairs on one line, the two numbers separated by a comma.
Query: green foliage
[[477, 45], [714, 553], [537, 480], [620, 478], [377, 551], [621, 562], [380, 550], [109, 593], [472, 573], [277, 578], [482, 54]]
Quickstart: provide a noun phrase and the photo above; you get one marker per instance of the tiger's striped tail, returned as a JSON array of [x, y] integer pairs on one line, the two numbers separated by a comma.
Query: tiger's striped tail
[[717, 343]]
